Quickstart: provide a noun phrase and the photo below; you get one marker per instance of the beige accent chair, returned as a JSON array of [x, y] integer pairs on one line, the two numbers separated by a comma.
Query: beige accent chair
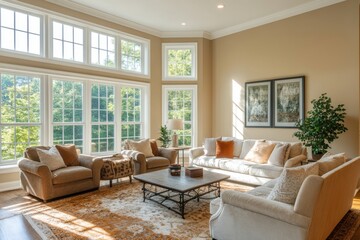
[[320, 204], [143, 164], [39, 181]]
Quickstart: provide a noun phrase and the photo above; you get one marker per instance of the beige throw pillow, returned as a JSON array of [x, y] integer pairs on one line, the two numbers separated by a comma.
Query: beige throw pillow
[[51, 158], [210, 146], [277, 156], [290, 181], [329, 162], [237, 144], [142, 146], [260, 152]]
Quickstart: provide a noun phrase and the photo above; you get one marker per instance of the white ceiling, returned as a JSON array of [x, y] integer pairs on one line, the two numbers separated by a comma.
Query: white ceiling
[[164, 17]]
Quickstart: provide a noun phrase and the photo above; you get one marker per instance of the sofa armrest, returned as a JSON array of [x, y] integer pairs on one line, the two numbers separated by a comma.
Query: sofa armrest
[[195, 152], [138, 158], [295, 161], [170, 154], [273, 209], [86, 160], [36, 168]]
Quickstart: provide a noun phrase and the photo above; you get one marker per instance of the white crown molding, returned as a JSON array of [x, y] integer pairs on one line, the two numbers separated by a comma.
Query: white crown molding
[[106, 16], [307, 7], [186, 34]]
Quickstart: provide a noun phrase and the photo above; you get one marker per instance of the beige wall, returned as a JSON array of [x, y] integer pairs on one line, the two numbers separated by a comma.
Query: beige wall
[[323, 45]]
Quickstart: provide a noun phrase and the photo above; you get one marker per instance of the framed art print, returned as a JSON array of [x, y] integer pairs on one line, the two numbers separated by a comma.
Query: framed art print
[[258, 104], [288, 101]]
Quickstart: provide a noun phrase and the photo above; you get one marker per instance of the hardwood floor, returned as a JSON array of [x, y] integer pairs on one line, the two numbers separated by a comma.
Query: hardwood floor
[[15, 226]]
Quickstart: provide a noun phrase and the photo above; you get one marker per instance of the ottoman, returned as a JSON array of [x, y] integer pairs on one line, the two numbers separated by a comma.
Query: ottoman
[[116, 166]]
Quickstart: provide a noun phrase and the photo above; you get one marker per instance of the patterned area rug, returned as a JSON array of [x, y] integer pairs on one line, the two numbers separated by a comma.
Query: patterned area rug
[[120, 213]]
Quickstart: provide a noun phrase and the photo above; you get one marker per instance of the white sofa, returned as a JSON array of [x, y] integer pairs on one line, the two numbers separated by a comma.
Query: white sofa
[[321, 203], [244, 171]]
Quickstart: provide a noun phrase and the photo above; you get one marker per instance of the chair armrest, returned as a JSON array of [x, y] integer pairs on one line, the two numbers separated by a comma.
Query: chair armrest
[[170, 154], [138, 158], [86, 160], [33, 167], [295, 161], [195, 152], [273, 209]]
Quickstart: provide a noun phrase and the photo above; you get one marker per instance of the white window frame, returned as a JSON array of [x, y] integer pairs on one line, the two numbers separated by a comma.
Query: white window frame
[[89, 60], [165, 105], [165, 64]]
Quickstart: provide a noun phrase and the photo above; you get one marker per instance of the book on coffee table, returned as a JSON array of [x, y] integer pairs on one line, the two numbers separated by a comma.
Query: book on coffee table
[[194, 171]]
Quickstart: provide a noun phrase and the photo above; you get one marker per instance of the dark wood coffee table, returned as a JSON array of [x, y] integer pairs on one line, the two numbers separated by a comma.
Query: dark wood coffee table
[[179, 189]]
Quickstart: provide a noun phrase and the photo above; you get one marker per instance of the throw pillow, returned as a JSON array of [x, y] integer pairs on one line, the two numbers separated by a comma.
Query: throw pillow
[[290, 181], [237, 145], [294, 150], [31, 152], [154, 147], [330, 162], [142, 146], [247, 145], [224, 149], [210, 146], [260, 152], [277, 157], [68, 154], [51, 158]]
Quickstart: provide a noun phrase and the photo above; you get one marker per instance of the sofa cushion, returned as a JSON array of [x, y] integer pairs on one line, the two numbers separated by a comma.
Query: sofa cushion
[[236, 165], [51, 158], [32, 154], [265, 170], [157, 161], [289, 182], [260, 152], [141, 146], [237, 145], [71, 174], [247, 145], [68, 154], [277, 156], [330, 162], [207, 161], [210, 146], [224, 149]]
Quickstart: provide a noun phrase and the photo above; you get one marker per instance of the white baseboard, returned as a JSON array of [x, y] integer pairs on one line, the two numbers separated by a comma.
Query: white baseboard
[[7, 186]]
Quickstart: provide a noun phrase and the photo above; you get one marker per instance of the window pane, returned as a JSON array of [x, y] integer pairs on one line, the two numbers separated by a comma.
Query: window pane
[[57, 49], [21, 41], [7, 18], [78, 35], [131, 58], [34, 25], [78, 53], [102, 50], [57, 30], [34, 44], [68, 33], [21, 22], [7, 38], [94, 40], [68, 51]]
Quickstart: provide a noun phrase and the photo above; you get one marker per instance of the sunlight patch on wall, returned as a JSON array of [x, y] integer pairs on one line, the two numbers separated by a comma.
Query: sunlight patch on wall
[[237, 110]]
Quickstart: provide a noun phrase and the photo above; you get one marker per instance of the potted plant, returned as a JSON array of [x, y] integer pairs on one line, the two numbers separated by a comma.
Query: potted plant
[[322, 125], [165, 137]]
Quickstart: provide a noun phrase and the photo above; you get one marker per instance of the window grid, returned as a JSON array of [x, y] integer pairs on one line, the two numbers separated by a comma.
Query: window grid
[[131, 55], [102, 117], [131, 127], [20, 124], [20, 31], [68, 42], [103, 50]]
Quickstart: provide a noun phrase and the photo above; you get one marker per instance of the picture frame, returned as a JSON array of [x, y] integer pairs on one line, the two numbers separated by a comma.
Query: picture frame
[[258, 104], [288, 101]]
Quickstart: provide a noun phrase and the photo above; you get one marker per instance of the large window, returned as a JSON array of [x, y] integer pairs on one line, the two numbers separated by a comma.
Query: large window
[[131, 56], [68, 42], [179, 61], [67, 113], [20, 31], [102, 118], [102, 49], [20, 120], [180, 103], [131, 113]]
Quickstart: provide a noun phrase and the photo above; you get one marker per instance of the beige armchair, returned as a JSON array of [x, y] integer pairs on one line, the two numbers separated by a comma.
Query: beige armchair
[[39, 181]]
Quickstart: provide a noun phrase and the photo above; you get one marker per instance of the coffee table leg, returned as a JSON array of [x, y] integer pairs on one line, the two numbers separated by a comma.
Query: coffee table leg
[[219, 189], [182, 205], [143, 188]]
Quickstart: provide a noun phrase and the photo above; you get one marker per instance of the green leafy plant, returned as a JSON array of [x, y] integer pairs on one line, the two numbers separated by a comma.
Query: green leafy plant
[[165, 137], [322, 125]]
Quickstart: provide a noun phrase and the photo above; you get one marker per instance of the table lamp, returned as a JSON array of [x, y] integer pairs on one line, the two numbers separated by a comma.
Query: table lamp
[[175, 124]]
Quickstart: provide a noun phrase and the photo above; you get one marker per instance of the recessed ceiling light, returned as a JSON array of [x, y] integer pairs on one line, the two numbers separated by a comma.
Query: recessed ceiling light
[[220, 6], [183, 24]]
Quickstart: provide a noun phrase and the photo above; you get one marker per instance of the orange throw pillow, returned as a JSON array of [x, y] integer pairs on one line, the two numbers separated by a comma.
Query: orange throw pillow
[[154, 147], [224, 149], [69, 154]]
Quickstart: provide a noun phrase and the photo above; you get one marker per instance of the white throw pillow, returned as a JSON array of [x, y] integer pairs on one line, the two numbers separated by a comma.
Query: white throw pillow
[[51, 158], [277, 157], [247, 145], [210, 146], [290, 181], [329, 162], [141, 146], [260, 152], [237, 144]]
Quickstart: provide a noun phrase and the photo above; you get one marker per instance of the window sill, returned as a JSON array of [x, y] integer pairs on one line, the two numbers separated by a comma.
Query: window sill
[[9, 169]]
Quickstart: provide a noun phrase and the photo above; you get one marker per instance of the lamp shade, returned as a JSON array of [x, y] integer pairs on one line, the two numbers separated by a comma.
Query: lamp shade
[[175, 124]]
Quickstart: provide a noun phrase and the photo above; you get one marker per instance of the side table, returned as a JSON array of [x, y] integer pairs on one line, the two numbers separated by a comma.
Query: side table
[[116, 166], [178, 149]]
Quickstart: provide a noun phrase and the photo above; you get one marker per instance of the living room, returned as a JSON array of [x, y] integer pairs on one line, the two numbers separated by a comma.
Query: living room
[[322, 45]]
